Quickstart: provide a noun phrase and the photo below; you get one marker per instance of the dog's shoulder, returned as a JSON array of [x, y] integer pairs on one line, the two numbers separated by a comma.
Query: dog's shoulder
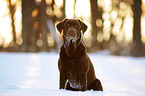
[[62, 52]]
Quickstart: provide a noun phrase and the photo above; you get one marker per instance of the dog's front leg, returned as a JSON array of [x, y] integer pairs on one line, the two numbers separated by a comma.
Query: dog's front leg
[[84, 83], [63, 80]]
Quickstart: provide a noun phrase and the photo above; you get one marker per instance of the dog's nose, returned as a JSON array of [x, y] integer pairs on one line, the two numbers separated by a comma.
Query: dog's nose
[[71, 40], [71, 31]]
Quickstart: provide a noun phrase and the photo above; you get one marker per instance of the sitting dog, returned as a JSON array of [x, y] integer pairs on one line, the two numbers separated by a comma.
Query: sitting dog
[[76, 69]]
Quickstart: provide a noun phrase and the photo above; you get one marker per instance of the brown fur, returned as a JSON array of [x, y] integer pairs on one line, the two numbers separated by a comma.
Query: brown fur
[[76, 69]]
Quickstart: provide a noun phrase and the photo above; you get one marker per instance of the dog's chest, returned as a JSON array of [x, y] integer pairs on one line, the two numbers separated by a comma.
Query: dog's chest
[[74, 73], [75, 83], [74, 80], [74, 68]]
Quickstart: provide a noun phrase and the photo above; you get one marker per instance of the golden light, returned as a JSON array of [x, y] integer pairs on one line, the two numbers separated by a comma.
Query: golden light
[[143, 2], [57, 12], [18, 23], [106, 34], [19, 40], [49, 11], [143, 22], [39, 43], [35, 13], [87, 35], [59, 3], [38, 1], [106, 16], [48, 2], [5, 24], [114, 15], [13, 2], [99, 23], [143, 29], [100, 37], [87, 38], [120, 36], [122, 6], [69, 8], [117, 25], [36, 25], [50, 40], [82, 9], [6, 31], [18, 19], [107, 23], [106, 4], [100, 3], [128, 28]]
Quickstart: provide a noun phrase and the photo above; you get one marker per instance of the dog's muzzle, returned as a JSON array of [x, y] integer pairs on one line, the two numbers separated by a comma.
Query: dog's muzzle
[[70, 40]]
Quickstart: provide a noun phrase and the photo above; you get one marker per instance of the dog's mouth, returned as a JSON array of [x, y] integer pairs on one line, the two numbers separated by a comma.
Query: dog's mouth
[[71, 40], [70, 44], [68, 40]]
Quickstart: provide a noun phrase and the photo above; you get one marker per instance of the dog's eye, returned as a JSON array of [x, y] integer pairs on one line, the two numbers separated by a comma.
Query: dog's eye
[[68, 25], [76, 26]]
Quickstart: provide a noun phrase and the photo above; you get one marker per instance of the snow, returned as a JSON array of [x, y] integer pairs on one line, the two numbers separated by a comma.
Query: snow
[[36, 74]]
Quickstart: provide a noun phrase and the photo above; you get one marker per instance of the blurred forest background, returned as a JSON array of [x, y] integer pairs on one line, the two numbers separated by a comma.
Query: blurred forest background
[[114, 25]]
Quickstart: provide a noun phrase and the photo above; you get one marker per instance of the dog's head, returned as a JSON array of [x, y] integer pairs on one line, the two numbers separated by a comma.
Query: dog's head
[[72, 29], [72, 33]]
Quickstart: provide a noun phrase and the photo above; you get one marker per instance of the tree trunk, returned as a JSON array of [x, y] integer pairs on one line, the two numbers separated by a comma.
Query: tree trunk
[[43, 25], [28, 31], [95, 14], [137, 43], [12, 10], [63, 9]]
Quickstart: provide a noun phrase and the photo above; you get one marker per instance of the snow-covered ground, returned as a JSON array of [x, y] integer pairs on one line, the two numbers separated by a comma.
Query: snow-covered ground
[[36, 74]]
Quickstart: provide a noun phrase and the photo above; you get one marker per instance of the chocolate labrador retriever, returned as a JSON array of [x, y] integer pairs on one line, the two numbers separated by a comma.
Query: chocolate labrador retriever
[[76, 69]]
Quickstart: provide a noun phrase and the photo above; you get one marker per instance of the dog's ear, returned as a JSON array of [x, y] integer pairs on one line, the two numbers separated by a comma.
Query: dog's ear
[[59, 26], [83, 26]]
